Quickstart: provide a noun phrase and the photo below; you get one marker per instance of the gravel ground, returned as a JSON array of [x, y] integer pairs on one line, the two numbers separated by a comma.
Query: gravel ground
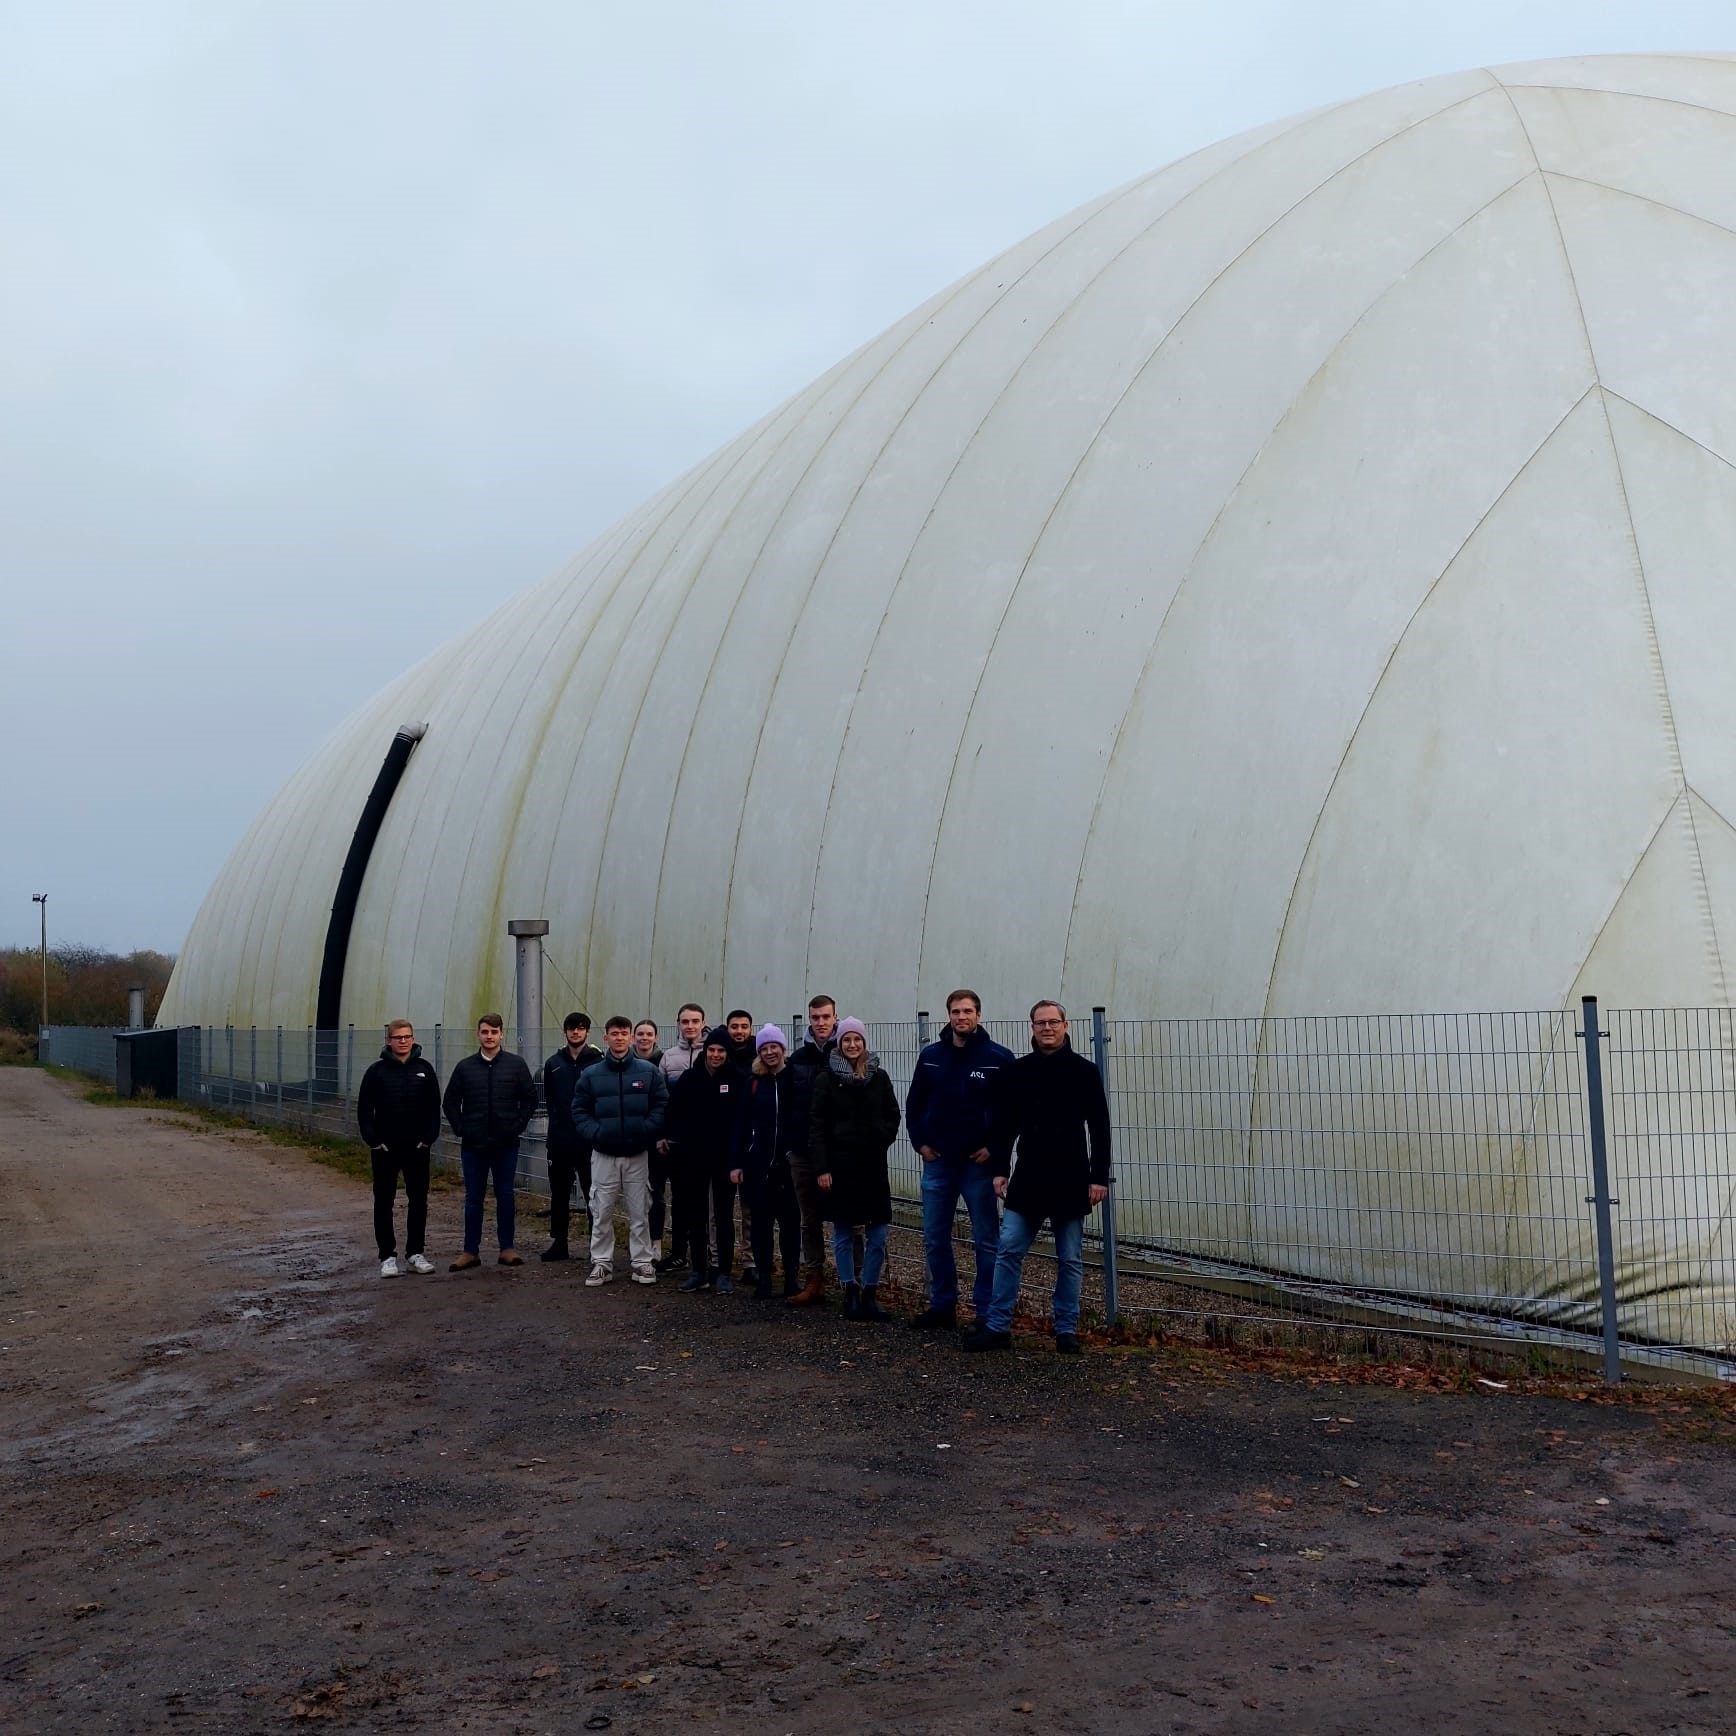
[[249, 1485]]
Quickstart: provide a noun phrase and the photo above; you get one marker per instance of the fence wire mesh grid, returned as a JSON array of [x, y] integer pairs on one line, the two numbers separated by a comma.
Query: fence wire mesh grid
[[1422, 1175]]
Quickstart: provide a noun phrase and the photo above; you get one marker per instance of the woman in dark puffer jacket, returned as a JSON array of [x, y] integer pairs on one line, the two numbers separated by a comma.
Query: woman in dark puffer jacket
[[851, 1128]]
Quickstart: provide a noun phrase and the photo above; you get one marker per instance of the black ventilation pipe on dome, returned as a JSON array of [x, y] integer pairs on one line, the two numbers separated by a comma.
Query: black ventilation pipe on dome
[[329, 1007]]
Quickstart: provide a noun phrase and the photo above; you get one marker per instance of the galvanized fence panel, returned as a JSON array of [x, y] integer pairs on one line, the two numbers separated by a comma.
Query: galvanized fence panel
[[86, 1049], [1671, 1093]]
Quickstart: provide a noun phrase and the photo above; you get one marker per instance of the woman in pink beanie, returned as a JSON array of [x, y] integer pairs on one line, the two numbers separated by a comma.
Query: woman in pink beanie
[[852, 1125]]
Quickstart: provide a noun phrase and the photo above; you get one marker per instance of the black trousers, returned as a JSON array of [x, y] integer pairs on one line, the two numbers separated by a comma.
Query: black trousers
[[775, 1207], [412, 1161], [567, 1164], [702, 1189]]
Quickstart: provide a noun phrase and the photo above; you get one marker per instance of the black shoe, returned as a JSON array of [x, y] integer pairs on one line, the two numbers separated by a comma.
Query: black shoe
[[670, 1263], [934, 1320], [1067, 1344], [750, 1273], [696, 1281], [852, 1301], [762, 1291], [556, 1251], [983, 1339], [870, 1308]]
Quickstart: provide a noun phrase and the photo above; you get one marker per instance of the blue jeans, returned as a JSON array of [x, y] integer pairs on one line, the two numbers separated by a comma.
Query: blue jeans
[[479, 1168], [944, 1180], [1017, 1235], [873, 1252]]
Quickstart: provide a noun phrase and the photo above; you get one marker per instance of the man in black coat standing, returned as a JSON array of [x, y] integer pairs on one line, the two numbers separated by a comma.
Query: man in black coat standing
[[1052, 1105], [489, 1102], [398, 1109], [569, 1156], [806, 1066]]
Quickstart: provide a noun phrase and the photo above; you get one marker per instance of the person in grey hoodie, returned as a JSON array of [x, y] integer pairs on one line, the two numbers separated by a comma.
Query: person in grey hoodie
[[682, 1054]]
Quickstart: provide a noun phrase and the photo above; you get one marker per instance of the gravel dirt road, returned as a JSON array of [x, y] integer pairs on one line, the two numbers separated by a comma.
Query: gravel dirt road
[[249, 1485]]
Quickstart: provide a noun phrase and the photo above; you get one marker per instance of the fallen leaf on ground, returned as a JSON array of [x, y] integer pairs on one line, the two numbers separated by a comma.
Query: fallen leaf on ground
[[81, 1610], [1260, 1597], [1350, 1482], [1312, 1554]]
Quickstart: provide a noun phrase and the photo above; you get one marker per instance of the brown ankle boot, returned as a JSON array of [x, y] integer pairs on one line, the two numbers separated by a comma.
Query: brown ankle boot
[[811, 1292]]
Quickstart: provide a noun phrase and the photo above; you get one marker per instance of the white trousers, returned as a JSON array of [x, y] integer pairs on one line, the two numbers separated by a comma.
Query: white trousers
[[627, 1180]]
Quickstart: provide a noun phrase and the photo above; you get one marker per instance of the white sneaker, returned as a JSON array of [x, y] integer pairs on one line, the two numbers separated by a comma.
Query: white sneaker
[[389, 1267], [644, 1275], [421, 1264], [600, 1275]]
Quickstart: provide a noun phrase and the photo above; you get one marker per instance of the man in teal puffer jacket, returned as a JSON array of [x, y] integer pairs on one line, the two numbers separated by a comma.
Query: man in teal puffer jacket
[[620, 1107]]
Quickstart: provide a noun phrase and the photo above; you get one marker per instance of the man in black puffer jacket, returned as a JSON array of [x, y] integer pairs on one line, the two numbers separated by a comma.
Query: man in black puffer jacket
[[569, 1156], [704, 1107], [489, 1102], [1051, 1103], [398, 1110], [620, 1107]]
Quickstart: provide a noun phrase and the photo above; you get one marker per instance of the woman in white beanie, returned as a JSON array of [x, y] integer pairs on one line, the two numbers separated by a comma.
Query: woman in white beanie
[[852, 1125]]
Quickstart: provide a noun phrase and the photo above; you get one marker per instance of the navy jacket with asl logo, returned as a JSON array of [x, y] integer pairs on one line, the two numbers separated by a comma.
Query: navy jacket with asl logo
[[950, 1105]]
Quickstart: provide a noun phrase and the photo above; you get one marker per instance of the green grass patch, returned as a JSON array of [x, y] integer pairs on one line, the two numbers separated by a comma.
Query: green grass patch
[[346, 1156]]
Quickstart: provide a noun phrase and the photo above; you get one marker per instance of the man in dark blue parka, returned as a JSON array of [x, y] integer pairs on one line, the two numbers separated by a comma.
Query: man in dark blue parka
[[949, 1114]]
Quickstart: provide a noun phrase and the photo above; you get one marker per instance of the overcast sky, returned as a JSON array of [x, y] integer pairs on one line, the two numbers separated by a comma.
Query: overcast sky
[[324, 326]]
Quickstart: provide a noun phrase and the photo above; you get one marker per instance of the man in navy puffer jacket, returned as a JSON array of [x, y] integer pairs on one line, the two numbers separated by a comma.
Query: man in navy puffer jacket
[[949, 1114], [619, 1110]]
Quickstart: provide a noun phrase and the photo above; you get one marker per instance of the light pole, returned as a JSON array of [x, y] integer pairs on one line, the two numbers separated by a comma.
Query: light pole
[[42, 899]]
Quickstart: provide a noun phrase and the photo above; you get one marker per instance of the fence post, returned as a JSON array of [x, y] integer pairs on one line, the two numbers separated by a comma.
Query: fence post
[[1599, 1197], [921, 1030], [349, 1064], [1111, 1276], [280, 1072], [312, 1069], [253, 1067]]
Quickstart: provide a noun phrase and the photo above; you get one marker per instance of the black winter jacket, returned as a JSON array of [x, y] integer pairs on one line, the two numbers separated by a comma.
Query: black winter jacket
[[704, 1108], [854, 1122], [949, 1105], [489, 1104], [559, 1075], [763, 1135], [1054, 1108], [807, 1065], [620, 1107], [399, 1102]]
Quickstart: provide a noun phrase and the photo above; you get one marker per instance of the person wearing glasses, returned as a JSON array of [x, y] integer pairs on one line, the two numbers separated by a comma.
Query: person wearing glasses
[[1051, 1107]]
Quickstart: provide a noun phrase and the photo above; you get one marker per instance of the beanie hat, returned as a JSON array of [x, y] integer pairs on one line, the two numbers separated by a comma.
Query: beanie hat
[[770, 1034], [846, 1026], [716, 1038]]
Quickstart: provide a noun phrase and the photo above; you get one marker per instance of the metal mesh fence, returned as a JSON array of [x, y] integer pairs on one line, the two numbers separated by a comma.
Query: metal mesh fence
[[86, 1049], [1421, 1174]]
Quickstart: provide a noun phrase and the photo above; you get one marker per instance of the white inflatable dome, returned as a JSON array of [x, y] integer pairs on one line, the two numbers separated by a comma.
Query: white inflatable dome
[[1303, 580]]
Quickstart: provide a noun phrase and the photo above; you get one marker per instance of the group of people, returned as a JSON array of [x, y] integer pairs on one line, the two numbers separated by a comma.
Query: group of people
[[731, 1118]]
